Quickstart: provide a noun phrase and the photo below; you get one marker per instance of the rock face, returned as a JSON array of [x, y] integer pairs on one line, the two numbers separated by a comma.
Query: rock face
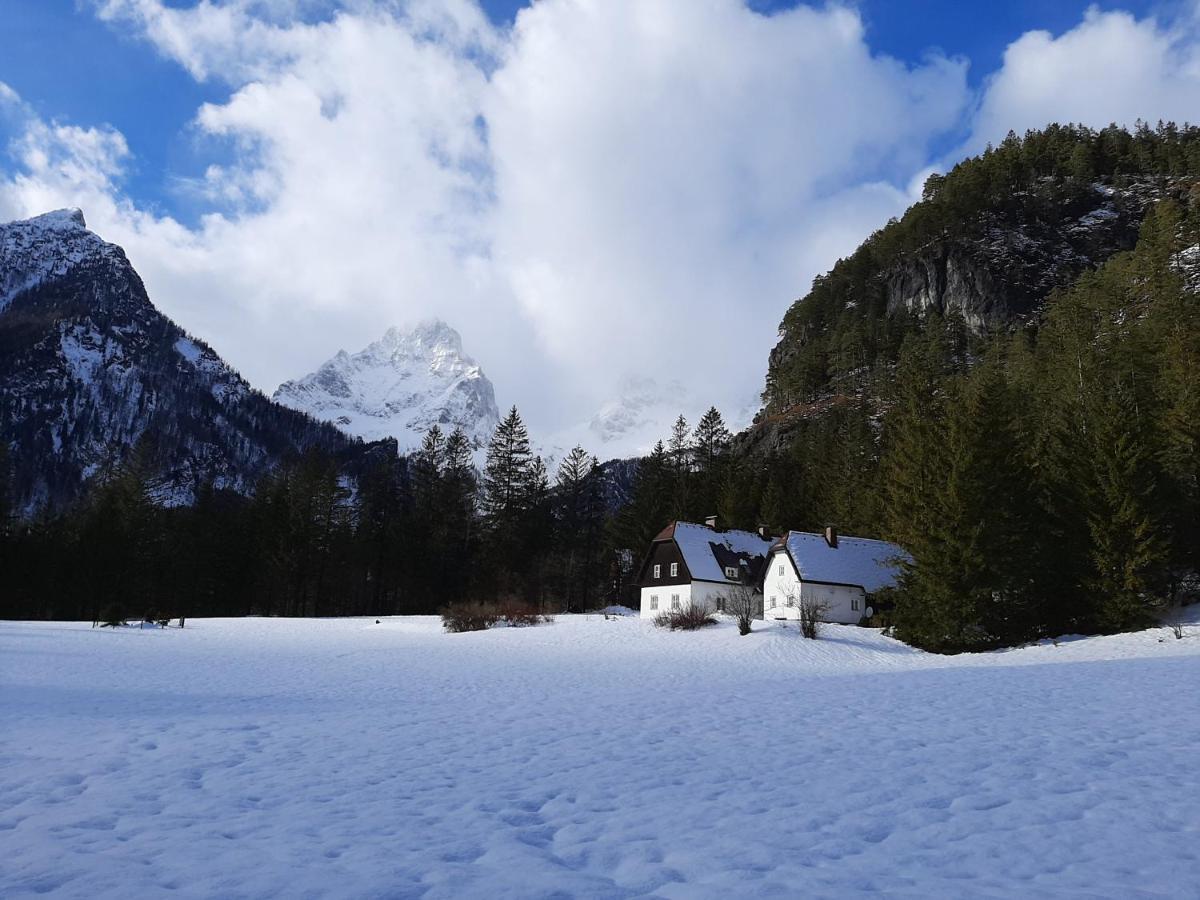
[[90, 372], [1004, 264], [399, 387]]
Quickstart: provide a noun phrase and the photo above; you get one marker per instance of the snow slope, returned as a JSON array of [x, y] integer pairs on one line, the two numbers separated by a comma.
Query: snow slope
[[590, 758], [399, 387]]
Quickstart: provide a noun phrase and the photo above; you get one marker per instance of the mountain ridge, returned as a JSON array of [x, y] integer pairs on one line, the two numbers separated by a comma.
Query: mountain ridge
[[92, 374], [399, 387]]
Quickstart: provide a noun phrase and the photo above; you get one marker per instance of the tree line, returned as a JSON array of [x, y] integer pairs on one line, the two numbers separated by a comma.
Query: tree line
[[409, 535]]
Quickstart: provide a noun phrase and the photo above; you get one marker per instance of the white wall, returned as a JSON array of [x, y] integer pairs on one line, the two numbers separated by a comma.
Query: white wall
[[664, 593], [842, 600], [697, 592]]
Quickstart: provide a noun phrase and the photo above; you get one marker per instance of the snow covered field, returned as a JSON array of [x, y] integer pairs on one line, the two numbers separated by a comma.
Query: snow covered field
[[590, 758]]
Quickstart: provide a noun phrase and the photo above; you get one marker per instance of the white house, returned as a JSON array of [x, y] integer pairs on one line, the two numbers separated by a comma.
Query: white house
[[691, 564], [841, 572]]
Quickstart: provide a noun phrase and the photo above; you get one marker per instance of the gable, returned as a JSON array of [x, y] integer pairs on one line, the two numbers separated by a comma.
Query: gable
[[869, 564]]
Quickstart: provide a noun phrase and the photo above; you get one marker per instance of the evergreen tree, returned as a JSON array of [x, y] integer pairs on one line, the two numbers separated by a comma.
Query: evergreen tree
[[510, 484], [711, 440], [1128, 544], [579, 518]]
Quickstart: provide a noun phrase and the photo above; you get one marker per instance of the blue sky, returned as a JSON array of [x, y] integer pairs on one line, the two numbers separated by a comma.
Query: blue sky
[[69, 65], [619, 198]]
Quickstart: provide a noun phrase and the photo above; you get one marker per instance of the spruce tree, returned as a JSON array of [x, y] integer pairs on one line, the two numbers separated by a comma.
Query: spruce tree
[[510, 480], [1128, 542]]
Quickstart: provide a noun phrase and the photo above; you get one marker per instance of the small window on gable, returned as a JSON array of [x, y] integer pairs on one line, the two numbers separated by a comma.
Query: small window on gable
[[674, 601], [654, 601], [658, 571], [731, 572], [674, 569], [781, 571]]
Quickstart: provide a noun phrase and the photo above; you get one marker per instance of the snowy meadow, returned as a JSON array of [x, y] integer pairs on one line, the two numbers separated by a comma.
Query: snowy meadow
[[590, 758]]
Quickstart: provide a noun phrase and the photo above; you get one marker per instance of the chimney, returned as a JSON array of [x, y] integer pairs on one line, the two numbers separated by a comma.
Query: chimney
[[831, 537], [764, 533], [711, 522]]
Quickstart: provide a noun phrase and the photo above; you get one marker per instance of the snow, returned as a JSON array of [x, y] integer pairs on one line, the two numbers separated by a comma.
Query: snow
[[695, 542], [870, 564], [590, 758]]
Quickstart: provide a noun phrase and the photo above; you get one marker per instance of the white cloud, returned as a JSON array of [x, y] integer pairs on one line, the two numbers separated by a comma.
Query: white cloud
[[609, 187], [1111, 67]]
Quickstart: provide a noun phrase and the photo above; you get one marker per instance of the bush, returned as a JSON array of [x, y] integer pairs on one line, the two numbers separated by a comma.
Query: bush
[[460, 617], [686, 618], [742, 602], [812, 611], [517, 615], [112, 616]]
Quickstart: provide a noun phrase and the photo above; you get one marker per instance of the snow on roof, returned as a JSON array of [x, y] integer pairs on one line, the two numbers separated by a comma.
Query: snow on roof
[[706, 552], [859, 561]]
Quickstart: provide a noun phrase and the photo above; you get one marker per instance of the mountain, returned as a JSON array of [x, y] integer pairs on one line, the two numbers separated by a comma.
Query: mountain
[[989, 244], [91, 372], [399, 387]]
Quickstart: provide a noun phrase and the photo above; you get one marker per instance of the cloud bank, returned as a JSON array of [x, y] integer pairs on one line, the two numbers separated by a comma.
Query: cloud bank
[[607, 188]]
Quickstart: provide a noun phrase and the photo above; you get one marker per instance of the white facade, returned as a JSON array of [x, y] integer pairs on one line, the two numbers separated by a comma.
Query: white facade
[[661, 598], [783, 589]]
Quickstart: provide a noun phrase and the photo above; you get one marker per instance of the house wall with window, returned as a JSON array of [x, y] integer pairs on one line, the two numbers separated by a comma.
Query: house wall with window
[[658, 598], [783, 589]]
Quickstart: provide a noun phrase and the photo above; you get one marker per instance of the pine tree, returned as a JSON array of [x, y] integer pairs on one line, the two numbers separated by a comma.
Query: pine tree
[[507, 473], [1128, 545], [711, 440], [509, 480], [579, 518]]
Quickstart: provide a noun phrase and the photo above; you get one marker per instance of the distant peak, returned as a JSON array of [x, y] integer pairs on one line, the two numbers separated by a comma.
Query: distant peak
[[426, 333], [60, 218]]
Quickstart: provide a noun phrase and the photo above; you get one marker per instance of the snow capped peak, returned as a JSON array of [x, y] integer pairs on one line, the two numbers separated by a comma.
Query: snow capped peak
[[69, 218], [36, 250], [431, 339], [399, 386]]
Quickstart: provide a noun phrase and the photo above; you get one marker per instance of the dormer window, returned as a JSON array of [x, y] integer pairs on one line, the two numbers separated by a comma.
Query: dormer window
[[731, 572]]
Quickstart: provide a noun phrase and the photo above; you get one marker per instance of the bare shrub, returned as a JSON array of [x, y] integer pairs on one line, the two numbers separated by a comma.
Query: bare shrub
[[811, 610], [686, 618], [461, 617], [1177, 630], [741, 602], [111, 617], [516, 614]]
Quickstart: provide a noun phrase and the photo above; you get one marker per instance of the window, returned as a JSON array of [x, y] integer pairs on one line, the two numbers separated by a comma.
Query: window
[[654, 601], [658, 571], [721, 604], [791, 601], [854, 603], [674, 569], [731, 572], [772, 602], [781, 571], [674, 601]]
